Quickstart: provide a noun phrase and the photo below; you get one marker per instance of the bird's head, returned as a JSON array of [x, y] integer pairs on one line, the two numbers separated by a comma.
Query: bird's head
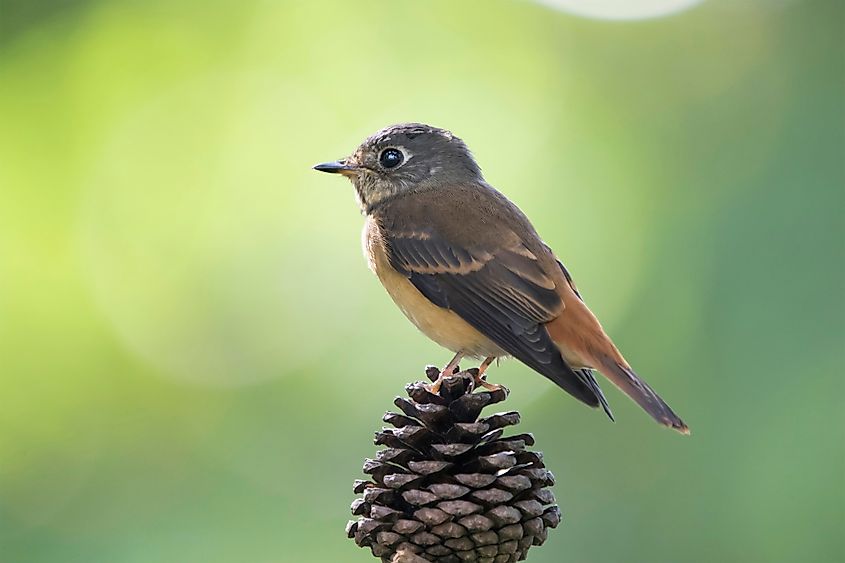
[[402, 159]]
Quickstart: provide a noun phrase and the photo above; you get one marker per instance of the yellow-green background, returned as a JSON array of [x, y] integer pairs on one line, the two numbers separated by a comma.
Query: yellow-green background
[[193, 355]]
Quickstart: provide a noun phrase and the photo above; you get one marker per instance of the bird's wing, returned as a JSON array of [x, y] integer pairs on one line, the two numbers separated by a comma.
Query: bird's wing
[[503, 292]]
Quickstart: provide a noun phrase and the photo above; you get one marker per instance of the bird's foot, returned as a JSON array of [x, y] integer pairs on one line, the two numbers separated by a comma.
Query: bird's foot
[[478, 376], [434, 387], [478, 380], [489, 386], [450, 368]]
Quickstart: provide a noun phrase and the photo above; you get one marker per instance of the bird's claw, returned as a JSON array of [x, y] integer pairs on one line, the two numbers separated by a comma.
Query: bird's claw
[[489, 386], [434, 386], [478, 380]]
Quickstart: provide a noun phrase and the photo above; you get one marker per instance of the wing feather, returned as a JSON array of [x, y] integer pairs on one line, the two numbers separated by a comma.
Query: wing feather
[[506, 294]]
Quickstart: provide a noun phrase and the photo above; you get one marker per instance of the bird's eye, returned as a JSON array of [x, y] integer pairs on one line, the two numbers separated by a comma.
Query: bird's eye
[[391, 158]]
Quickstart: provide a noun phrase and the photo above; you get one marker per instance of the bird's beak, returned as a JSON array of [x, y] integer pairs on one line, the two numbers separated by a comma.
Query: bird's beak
[[336, 167]]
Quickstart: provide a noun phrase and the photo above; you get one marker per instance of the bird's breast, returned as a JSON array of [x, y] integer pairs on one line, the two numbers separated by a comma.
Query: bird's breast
[[441, 325]]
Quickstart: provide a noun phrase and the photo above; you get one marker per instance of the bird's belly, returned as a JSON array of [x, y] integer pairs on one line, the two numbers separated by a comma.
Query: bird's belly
[[441, 325]]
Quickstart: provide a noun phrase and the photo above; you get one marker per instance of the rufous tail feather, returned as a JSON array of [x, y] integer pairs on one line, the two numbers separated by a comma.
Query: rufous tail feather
[[629, 383]]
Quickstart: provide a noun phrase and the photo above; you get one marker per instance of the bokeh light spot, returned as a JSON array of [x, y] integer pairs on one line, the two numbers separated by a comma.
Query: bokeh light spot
[[621, 9]]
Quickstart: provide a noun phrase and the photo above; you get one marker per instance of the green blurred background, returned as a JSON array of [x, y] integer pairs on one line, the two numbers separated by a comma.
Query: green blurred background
[[193, 355]]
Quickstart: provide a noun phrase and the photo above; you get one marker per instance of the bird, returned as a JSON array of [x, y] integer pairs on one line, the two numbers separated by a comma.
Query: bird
[[467, 267]]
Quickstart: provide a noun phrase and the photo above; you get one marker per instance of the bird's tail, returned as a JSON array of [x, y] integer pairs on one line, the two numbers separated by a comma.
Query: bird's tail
[[583, 342], [618, 372]]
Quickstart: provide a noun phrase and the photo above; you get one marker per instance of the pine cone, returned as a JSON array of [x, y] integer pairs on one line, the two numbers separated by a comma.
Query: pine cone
[[448, 486]]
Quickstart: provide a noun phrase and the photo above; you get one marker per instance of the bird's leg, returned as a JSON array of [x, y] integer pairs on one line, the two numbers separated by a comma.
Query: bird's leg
[[446, 372], [479, 377]]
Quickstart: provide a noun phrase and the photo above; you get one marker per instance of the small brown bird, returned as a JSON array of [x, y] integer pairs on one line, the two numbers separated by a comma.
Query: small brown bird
[[466, 266]]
